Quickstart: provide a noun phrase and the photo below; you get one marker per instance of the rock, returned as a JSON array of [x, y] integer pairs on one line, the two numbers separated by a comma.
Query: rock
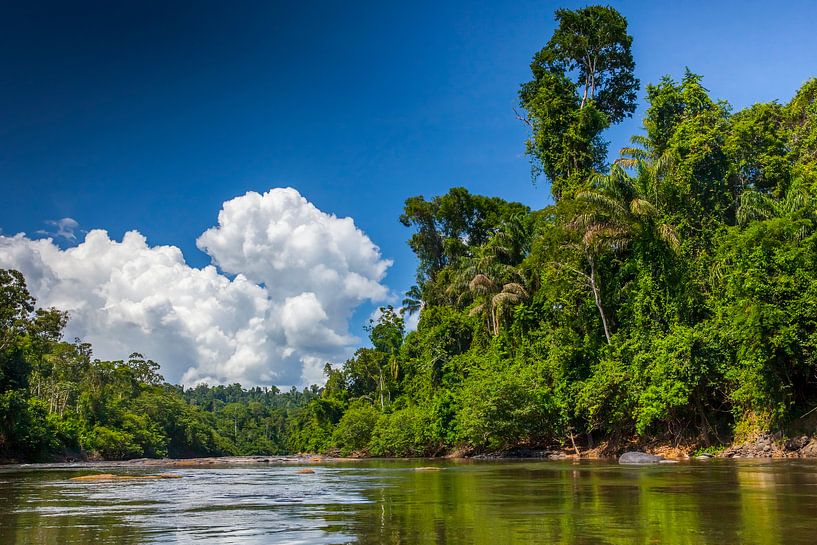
[[305, 471], [112, 477], [809, 450], [634, 457], [796, 443]]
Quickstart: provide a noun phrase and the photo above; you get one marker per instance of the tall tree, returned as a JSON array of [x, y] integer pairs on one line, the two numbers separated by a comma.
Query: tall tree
[[593, 45], [583, 81]]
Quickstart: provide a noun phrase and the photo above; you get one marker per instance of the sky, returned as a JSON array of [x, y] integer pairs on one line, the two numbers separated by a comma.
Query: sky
[[218, 184]]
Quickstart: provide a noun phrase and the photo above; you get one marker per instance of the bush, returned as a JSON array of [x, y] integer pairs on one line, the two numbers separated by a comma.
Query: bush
[[407, 432], [110, 444], [354, 430], [503, 409], [147, 434], [25, 431]]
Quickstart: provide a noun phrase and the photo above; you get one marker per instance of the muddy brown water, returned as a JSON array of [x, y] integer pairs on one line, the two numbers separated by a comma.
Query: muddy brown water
[[407, 503]]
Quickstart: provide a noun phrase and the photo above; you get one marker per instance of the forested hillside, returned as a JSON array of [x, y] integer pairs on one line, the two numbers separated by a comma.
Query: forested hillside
[[57, 400], [670, 294]]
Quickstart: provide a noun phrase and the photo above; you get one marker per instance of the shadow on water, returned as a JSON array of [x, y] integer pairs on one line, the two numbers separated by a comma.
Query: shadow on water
[[402, 502], [42, 508]]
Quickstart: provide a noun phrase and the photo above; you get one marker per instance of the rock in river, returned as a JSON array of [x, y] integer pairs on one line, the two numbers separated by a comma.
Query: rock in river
[[639, 458]]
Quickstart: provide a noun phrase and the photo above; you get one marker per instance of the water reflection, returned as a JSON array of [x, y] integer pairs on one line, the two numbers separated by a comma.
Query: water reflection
[[393, 502]]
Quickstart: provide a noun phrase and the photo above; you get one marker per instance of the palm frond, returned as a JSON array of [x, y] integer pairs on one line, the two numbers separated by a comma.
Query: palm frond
[[641, 140], [665, 162], [643, 207], [603, 203], [667, 233], [481, 284], [626, 162], [755, 206], [633, 154], [515, 288]]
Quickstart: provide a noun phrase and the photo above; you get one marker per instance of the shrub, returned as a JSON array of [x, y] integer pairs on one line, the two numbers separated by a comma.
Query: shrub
[[354, 430], [406, 432], [110, 444]]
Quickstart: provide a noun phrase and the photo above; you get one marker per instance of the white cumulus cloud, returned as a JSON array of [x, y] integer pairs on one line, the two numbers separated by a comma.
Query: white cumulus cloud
[[274, 306]]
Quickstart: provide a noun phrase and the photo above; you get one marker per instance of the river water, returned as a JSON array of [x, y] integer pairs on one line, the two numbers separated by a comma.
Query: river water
[[406, 503]]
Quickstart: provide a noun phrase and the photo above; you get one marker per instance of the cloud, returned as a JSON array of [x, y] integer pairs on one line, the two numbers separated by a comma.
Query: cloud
[[282, 241], [412, 321], [64, 228], [272, 309]]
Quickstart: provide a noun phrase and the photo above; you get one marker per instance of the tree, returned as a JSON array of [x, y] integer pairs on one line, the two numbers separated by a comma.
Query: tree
[[614, 213], [448, 229], [583, 81], [387, 337], [412, 301], [16, 306], [592, 43]]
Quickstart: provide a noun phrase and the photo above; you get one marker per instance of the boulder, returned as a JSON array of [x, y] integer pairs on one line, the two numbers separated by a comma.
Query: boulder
[[809, 450], [796, 443], [112, 477], [636, 458]]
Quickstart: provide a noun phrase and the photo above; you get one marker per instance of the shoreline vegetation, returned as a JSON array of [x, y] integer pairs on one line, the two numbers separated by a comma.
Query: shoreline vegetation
[[666, 301], [765, 446]]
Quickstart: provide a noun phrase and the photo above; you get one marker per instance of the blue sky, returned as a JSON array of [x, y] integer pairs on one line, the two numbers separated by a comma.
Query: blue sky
[[150, 115]]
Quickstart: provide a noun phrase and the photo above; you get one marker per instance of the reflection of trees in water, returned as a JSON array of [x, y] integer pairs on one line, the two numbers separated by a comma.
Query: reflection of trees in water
[[777, 499], [551, 503], [43, 508], [9, 506], [475, 503]]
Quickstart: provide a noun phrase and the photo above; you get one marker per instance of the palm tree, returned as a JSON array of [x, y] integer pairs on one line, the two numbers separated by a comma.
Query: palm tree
[[413, 301], [489, 282], [756, 206], [512, 242], [613, 214], [511, 295]]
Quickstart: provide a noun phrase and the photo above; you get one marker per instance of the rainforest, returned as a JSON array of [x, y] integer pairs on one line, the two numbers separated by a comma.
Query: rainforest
[[666, 296]]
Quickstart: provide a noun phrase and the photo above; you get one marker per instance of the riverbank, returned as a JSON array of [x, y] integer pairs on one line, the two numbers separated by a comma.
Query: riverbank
[[767, 445], [183, 462]]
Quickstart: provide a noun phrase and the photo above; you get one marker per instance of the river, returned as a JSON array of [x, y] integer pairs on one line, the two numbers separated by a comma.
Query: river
[[417, 502]]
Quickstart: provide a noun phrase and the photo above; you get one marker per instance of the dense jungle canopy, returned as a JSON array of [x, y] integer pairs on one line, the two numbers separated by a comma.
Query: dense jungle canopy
[[669, 293]]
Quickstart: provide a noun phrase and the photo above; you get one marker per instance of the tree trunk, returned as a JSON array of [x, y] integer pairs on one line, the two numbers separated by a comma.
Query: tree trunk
[[382, 403], [584, 96], [597, 298]]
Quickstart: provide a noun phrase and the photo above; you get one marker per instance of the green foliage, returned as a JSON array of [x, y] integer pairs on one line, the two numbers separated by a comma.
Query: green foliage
[[405, 433], [672, 297], [672, 294], [111, 444], [26, 431], [447, 225], [583, 81], [501, 408], [54, 398], [354, 430]]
